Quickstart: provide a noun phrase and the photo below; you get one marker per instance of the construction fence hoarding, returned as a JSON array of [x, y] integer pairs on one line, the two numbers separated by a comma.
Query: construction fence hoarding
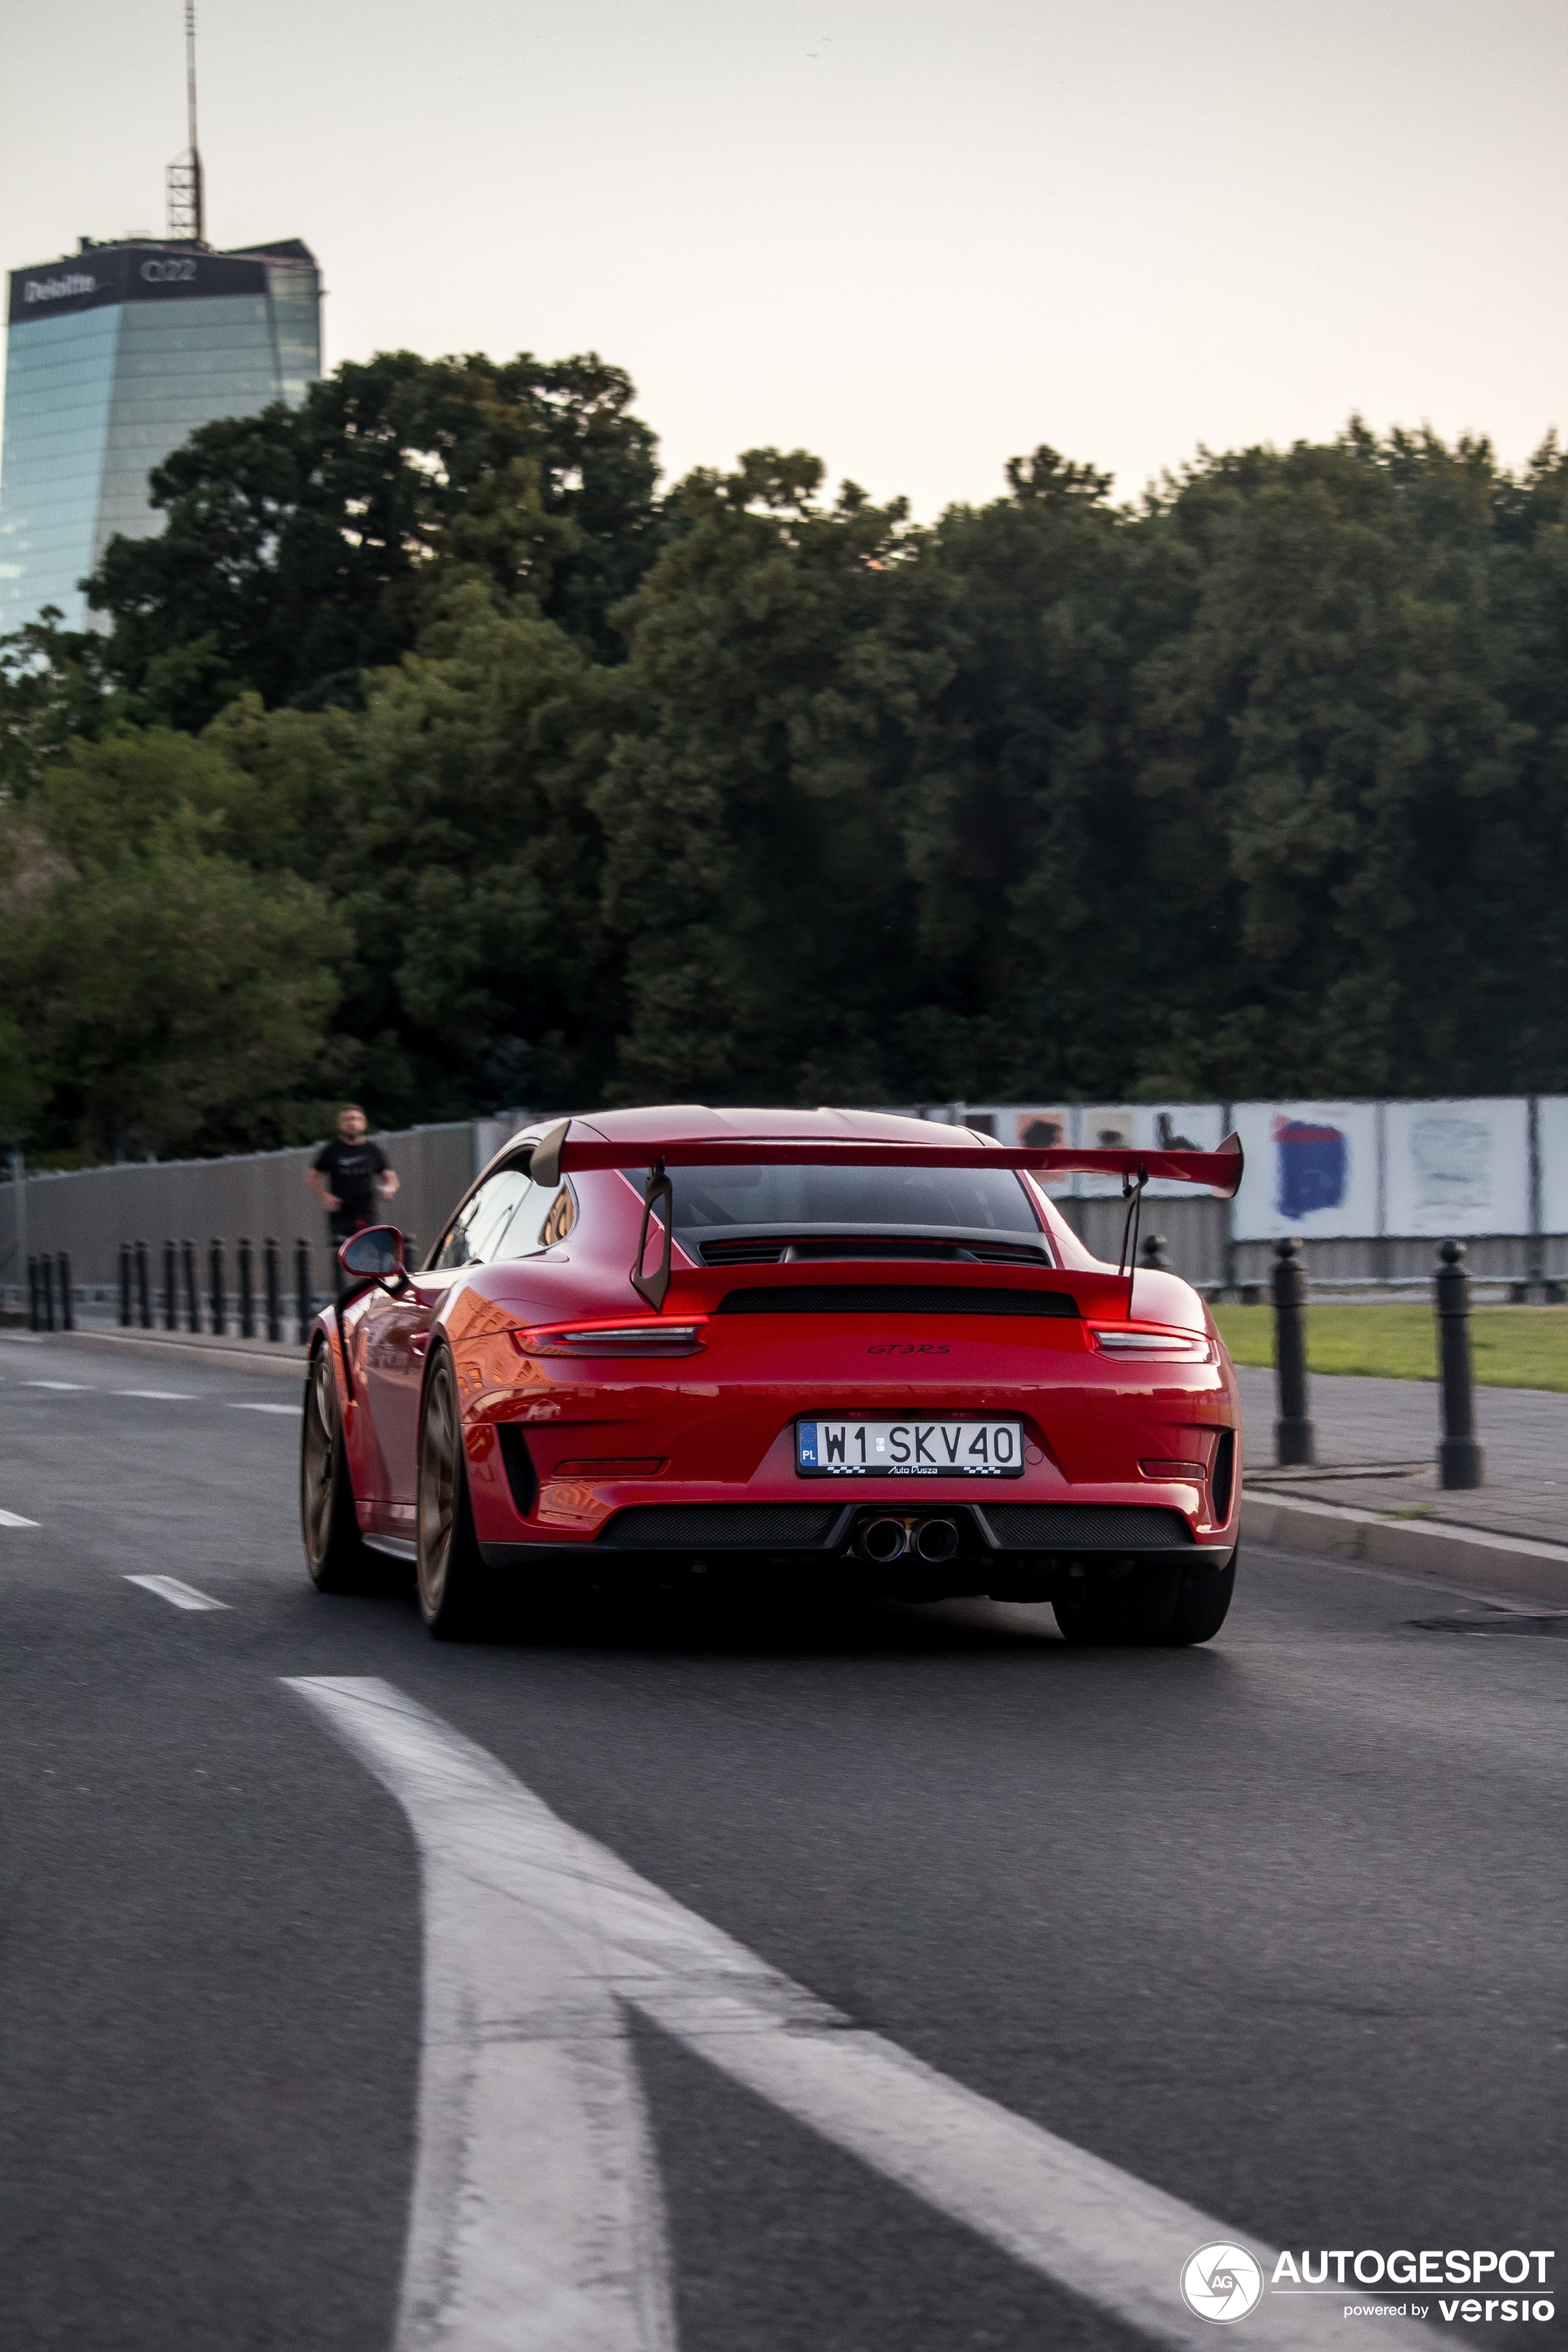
[[1366, 1186]]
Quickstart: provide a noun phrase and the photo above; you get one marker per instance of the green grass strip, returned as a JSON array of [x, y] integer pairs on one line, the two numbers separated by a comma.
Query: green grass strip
[[1514, 1346]]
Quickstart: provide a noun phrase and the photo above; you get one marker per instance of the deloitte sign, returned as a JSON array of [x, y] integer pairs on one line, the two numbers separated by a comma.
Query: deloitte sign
[[131, 273]]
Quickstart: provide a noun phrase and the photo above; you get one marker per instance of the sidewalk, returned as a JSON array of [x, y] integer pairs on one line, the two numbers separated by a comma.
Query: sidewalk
[[229, 1353], [1372, 1493], [1367, 1427]]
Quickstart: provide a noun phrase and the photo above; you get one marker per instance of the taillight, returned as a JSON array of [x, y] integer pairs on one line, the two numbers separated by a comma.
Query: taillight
[[650, 1335], [1147, 1340]]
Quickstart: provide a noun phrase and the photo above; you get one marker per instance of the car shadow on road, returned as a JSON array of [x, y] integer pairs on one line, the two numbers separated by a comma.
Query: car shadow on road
[[673, 1620], [670, 1613]]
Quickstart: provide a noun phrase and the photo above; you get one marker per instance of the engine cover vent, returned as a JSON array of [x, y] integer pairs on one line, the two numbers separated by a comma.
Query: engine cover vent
[[896, 1298]]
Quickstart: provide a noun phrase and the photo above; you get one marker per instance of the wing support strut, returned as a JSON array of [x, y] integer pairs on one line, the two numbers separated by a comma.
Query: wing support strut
[[1133, 1185]]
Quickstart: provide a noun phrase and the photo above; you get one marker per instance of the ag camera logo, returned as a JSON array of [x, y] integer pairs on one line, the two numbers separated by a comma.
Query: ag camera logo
[[1222, 2282]]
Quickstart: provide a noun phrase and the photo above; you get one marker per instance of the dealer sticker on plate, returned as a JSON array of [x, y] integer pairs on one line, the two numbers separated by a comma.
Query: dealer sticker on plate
[[910, 1449]]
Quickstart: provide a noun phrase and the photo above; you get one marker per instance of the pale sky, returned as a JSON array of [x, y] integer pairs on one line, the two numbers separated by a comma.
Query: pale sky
[[914, 237]]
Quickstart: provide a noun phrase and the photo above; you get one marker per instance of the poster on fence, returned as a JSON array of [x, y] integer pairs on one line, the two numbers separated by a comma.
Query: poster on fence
[[1153, 1126], [1551, 1112], [1456, 1166], [1311, 1170], [1104, 1126], [1040, 1126]]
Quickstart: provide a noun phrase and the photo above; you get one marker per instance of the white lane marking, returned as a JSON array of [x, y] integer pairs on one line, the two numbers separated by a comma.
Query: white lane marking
[[246, 1406], [14, 1519], [163, 1396], [535, 2223], [82, 1385], [535, 2212], [184, 1596]]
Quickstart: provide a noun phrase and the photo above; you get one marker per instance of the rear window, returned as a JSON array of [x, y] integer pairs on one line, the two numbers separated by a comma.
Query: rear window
[[850, 1200]]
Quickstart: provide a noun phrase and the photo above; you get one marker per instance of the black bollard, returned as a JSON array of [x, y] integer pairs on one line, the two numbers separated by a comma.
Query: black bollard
[[34, 1298], [217, 1295], [170, 1288], [68, 1319], [143, 1288], [1157, 1253], [125, 1286], [302, 1290], [193, 1299], [46, 1289], [274, 1303], [1460, 1459], [1295, 1441], [247, 1291]]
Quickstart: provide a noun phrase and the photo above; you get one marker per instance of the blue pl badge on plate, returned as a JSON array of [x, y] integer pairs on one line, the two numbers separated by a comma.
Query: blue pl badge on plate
[[805, 1435]]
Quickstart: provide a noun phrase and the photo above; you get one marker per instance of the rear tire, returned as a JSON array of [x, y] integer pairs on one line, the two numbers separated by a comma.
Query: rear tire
[[1163, 1604], [335, 1553], [456, 1590], [1204, 1605]]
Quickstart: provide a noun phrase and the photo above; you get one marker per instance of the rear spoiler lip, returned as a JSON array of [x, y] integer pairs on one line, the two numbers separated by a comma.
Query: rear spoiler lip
[[559, 1152]]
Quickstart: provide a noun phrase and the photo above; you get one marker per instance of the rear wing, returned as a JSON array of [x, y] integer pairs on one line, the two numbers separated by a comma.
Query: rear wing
[[559, 1152]]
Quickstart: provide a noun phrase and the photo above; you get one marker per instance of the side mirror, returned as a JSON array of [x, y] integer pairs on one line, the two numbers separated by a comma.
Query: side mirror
[[374, 1255]]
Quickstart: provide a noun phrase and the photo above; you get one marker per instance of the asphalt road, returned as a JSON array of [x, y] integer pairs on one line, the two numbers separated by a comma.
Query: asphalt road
[[1278, 1928]]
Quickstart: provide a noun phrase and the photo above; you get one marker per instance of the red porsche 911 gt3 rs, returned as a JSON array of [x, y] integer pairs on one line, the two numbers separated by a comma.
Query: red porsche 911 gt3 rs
[[774, 1342]]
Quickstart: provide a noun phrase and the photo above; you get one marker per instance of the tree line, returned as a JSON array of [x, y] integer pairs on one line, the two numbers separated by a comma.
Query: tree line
[[431, 755]]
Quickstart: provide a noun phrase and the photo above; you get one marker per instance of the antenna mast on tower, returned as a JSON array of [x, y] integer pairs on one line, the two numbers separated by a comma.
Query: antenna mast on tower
[[183, 177]]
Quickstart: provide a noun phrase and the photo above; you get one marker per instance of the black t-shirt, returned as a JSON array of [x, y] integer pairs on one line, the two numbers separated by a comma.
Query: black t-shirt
[[351, 1169]]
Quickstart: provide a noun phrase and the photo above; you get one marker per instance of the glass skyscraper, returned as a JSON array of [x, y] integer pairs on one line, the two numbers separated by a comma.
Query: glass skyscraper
[[112, 358]]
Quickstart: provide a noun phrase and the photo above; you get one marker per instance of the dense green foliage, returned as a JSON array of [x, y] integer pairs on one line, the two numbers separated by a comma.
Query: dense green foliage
[[427, 756], [302, 546]]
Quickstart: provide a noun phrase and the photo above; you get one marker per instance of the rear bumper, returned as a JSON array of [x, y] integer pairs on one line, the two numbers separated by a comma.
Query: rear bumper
[[1037, 1538]]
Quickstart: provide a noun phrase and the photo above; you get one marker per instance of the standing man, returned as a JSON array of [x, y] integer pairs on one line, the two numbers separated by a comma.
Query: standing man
[[350, 1175]]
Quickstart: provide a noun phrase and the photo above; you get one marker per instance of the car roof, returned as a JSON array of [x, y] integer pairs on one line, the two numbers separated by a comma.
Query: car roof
[[696, 1120]]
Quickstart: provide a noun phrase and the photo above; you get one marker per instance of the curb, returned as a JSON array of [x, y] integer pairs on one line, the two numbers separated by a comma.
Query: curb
[[1512, 1564], [286, 1359]]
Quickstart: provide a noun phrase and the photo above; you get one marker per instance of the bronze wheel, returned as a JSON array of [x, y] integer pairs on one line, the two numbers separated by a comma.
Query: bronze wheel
[[333, 1552], [451, 1574]]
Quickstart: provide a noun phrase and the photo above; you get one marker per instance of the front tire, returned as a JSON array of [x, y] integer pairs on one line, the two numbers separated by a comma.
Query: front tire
[[455, 1594], [335, 1553]]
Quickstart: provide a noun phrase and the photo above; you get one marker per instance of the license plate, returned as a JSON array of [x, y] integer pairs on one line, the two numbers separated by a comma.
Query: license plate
[[908, 1449]]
